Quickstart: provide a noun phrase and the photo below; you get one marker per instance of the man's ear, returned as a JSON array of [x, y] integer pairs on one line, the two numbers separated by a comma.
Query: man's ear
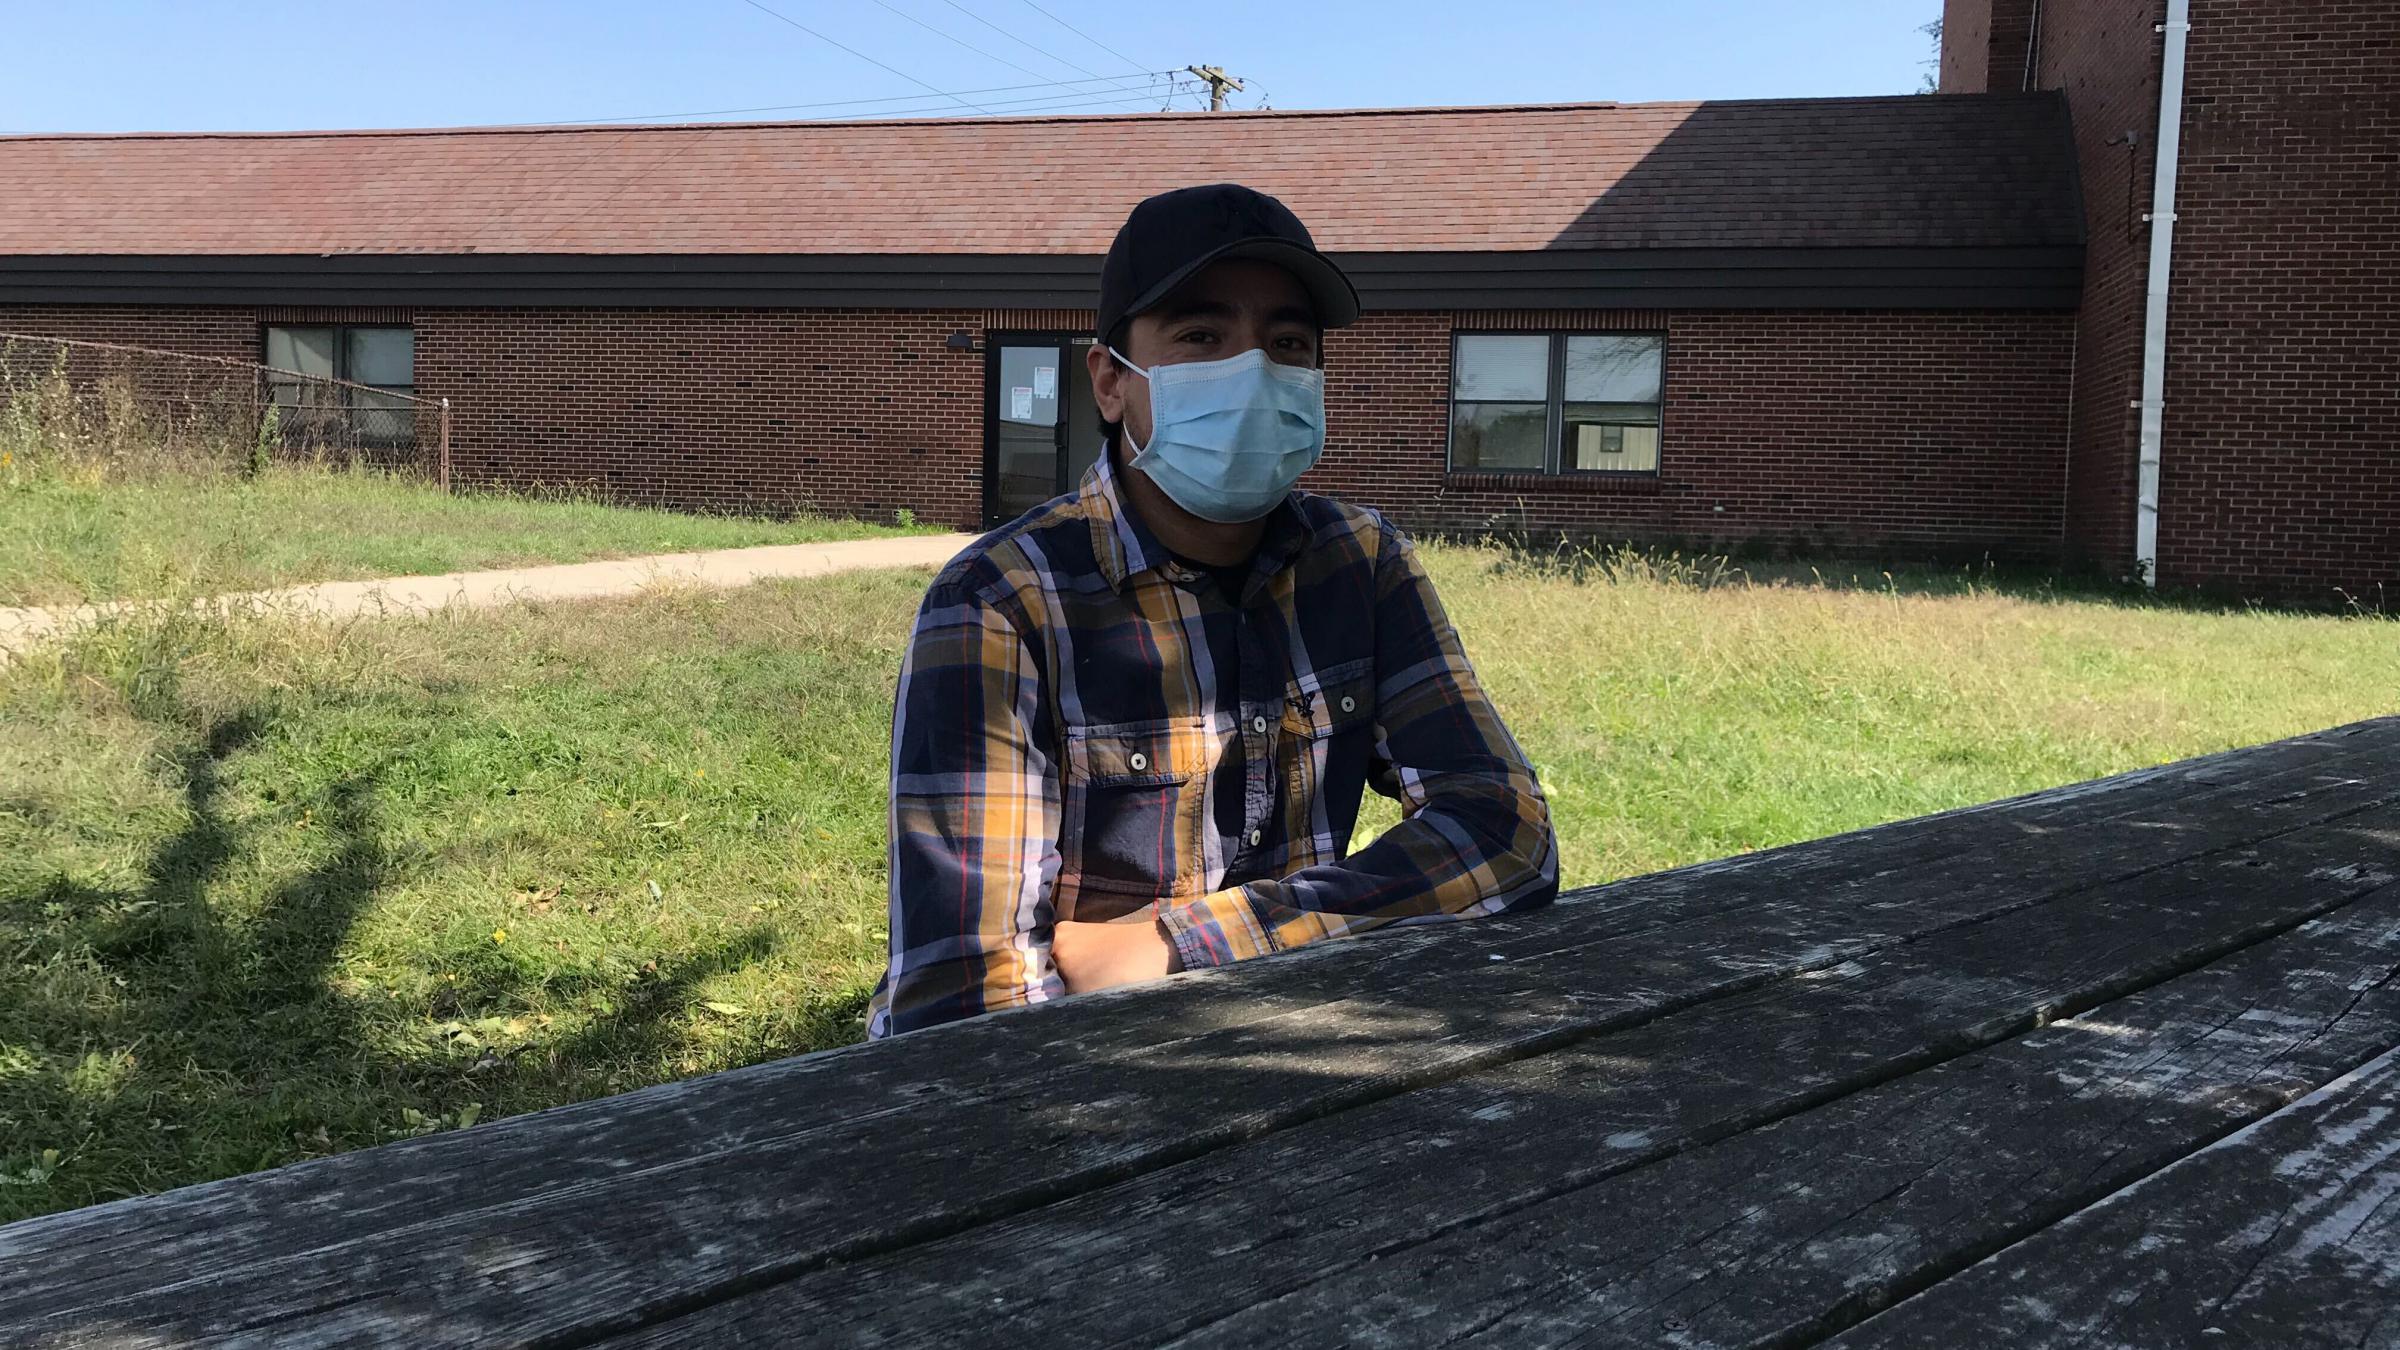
[[1108, 389]]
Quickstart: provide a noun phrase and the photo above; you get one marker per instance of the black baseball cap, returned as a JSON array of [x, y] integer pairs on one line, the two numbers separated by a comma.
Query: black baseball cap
[[1173, 235]]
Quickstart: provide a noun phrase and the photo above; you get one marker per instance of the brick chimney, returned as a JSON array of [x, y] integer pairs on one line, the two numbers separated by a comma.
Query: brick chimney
[[1984, 44]]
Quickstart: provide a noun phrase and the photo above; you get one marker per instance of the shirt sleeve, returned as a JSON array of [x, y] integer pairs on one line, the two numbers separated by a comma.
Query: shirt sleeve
[[974, 821], [1475, 838]]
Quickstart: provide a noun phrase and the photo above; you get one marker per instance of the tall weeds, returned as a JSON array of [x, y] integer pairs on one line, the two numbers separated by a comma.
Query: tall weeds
[[95, 417]]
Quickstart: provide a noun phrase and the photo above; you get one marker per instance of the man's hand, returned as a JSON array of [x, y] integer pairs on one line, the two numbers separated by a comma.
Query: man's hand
[[1094, 956]]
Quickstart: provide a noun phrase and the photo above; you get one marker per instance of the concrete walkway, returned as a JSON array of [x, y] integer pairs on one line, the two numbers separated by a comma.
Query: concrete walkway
[[567, 581]]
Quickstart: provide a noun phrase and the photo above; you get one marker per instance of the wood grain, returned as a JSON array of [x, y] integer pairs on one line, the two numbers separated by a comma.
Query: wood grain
[[2284, 1234], [1581, 1197]]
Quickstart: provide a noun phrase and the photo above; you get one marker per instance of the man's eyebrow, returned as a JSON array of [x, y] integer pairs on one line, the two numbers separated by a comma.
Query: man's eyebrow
[[1176, 311], [1299, 314]]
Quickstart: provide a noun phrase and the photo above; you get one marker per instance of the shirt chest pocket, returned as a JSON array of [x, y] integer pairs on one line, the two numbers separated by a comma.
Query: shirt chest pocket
[[1328, 745], [1132, 813], [1329, 706]]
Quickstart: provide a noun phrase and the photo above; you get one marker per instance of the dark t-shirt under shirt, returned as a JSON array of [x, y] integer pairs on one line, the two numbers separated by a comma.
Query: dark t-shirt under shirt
[[1229, 580]]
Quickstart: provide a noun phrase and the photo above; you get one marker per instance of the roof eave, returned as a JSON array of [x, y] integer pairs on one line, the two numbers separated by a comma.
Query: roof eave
[[1870, 277]]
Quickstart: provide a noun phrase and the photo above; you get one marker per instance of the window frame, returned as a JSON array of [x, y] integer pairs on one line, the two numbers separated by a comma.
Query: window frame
[[341, 350], [1554, 451], [341, 372], [1550, 405]]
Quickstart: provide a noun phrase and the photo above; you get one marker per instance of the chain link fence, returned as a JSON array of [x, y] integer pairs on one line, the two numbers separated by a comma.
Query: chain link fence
[[120, 410]]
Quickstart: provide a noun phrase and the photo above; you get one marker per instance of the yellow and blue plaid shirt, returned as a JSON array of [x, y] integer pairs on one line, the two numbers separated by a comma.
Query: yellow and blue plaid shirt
[[1087, 729]]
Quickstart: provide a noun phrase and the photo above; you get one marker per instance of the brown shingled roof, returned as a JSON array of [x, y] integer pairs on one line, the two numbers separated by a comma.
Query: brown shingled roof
[[1990, 170]]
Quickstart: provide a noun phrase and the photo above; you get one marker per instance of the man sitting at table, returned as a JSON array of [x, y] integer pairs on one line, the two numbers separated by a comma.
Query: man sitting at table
[[1134, 725]]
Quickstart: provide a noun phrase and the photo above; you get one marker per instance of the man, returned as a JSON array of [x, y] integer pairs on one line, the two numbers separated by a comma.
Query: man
[[1133, 727]]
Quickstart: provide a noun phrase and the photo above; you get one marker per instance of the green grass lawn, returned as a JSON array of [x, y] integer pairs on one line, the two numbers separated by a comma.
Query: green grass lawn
[[271, 890], [67, 538]]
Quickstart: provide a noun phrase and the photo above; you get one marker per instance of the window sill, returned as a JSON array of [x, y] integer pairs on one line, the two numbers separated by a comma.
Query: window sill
[[1631, 484]]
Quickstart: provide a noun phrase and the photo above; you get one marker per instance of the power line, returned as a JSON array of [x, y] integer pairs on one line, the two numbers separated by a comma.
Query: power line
[[1043, 52], [1062, 85], [680, 151], [754, 4], [493, 172], [1032, 107], [946, 36], [951, 38], [684, 148], [1013, 107], [1081, 34], [955, 96]]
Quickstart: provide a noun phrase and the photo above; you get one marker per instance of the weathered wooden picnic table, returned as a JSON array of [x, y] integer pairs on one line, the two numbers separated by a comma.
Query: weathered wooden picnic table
[[2116, 1064]]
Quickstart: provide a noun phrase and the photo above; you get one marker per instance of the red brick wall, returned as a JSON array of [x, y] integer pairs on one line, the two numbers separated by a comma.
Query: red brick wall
[[227, 331], [844, 412], [2103, 54], [2281, 467], [182, 393], [1983, 45], [1925, 434], [2280, 477], [1966, 38], [841, 412], [1916, 433]]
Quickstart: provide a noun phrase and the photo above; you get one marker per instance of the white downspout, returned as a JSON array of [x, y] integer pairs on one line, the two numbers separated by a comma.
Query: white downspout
[[2154, 327]]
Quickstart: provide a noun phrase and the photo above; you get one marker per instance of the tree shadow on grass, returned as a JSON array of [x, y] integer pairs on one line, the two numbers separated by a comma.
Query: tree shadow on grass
[[644, 1025], [176, 1039]]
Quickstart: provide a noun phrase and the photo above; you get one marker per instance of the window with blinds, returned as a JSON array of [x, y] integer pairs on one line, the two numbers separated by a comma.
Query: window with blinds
[[1556, 403]]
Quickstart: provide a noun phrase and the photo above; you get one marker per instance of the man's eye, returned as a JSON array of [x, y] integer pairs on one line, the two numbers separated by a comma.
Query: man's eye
[[1198, 335]]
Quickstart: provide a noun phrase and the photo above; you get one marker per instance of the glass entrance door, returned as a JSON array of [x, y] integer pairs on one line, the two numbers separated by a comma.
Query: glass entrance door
[[1040, 429]]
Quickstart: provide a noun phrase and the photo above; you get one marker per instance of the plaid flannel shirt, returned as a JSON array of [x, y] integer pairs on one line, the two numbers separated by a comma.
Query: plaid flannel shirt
[[1086, 729]]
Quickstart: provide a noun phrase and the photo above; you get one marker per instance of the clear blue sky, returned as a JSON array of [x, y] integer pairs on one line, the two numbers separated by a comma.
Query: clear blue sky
[[117, 65]]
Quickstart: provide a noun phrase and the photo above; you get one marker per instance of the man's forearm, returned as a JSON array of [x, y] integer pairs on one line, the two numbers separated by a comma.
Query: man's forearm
[[1095, 956], [1468, 850]]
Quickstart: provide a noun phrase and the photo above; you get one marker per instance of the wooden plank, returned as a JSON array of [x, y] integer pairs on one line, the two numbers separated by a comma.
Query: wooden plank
[[1280, 1042], [1871, 997], [2286, 1233], [1588, 1174], [225, 1230]]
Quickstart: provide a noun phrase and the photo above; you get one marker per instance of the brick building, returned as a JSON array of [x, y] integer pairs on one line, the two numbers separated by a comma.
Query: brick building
[[1858, 325], [1839, 323], [2278, 462]]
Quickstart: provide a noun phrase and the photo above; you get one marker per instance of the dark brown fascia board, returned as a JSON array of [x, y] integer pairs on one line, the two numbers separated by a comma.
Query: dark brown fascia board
[[1745, 278]]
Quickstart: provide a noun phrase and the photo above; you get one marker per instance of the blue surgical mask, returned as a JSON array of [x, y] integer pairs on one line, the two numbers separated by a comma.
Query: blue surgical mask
[[1229, 438]]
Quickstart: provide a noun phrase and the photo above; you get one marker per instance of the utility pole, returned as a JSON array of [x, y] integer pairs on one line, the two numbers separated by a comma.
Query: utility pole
[[1218, 83]]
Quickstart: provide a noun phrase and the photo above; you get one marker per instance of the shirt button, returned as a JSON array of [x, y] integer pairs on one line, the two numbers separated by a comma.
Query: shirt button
[[1258, 724], [1138, 761], [1255, 836], [1349, 704]]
